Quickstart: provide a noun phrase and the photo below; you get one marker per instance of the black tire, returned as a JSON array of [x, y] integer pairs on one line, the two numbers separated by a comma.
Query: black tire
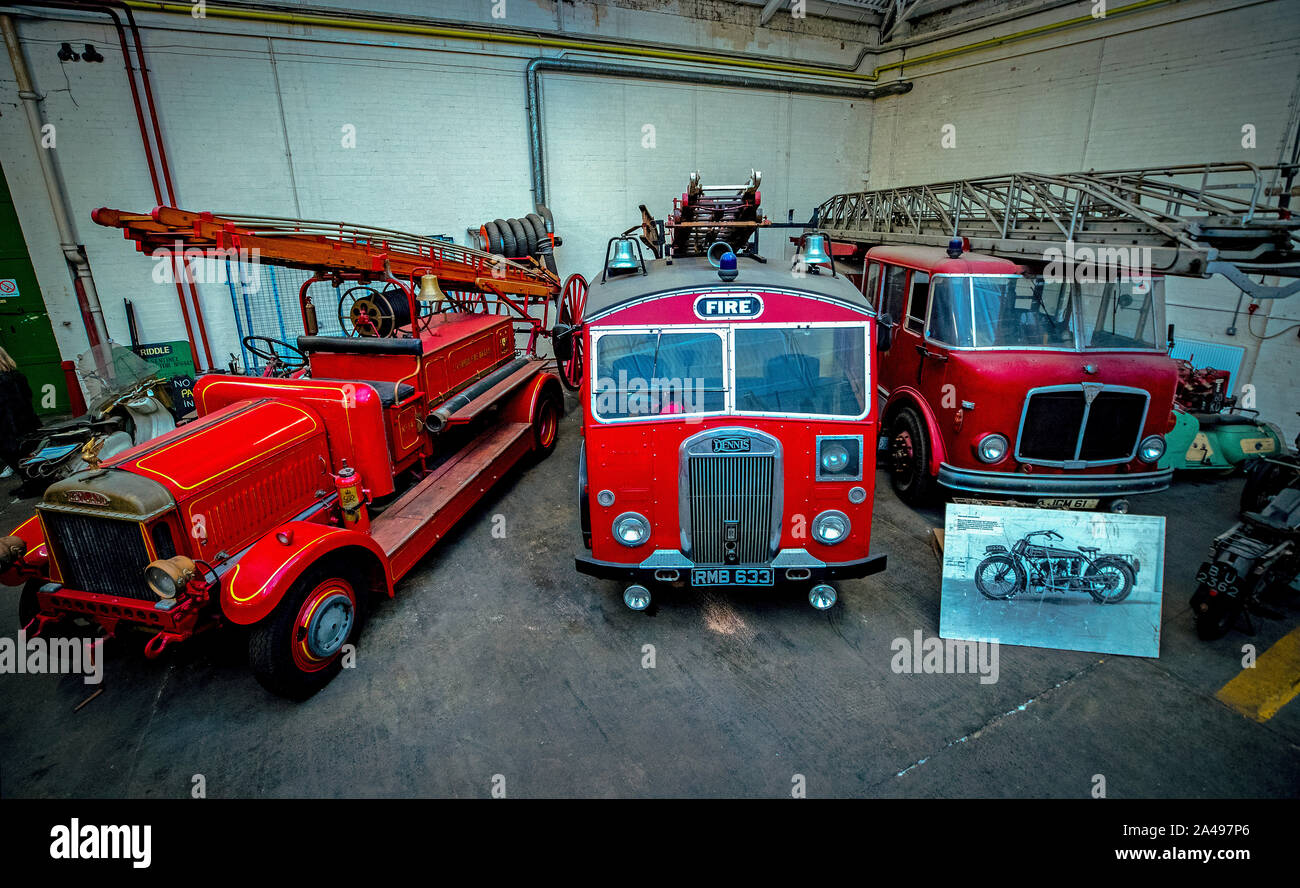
[[910, 462], [271, 643], [493, 236], [1215, 622], [522, 247], [1126, 580], [1264, 480], [994, 562], [531, 235], [546, 424], [507, 238]]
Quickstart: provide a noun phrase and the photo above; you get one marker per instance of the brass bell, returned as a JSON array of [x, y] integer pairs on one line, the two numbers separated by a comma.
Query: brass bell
[[429, 289]]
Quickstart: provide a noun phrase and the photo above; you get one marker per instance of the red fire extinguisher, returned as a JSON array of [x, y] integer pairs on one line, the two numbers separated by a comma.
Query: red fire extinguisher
[[352, 500]]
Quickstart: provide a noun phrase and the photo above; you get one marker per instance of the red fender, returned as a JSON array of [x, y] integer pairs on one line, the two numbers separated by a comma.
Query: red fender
[[252, 589], [911, 397], [524, 406], [32, 533]]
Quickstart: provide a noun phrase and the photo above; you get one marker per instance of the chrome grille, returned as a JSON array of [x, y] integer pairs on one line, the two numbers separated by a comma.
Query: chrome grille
[[731, 489], [106, 556], [1080, 425]]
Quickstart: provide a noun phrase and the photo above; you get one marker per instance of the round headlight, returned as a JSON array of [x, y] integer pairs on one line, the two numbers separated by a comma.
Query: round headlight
[[168, 576], [631, 529], [1151, 449], [991, 448], [830, 527], [835, 457]]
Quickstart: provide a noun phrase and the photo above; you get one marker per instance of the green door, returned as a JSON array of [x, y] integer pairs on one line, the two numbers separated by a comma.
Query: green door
[[25, 330]]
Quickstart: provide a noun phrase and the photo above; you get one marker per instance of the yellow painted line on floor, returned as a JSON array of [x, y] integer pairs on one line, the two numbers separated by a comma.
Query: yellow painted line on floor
[[1260, 692]]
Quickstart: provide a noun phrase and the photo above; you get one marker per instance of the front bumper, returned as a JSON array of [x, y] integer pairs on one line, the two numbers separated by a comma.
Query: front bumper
[[789, 567], [1021, 484]]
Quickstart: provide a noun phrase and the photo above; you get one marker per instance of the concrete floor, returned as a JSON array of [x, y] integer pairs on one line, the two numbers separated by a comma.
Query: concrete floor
[[496, 658]]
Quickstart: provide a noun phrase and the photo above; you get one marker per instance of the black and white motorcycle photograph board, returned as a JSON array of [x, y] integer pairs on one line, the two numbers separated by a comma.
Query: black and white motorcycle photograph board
[[1084, 581]]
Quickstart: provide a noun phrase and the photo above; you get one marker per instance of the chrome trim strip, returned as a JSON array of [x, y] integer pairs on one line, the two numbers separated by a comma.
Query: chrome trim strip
[[1020, 484]]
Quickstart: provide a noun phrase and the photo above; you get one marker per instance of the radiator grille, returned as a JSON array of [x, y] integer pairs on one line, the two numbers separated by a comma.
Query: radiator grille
[[1060, 426], [106, 556], [725, 489]]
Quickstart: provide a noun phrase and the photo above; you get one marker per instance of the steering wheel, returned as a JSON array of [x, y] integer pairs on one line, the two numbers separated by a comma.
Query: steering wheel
[[281, 358]]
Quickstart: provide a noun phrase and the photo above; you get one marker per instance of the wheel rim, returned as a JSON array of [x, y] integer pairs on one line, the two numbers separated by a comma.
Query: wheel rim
[[903, 457], [547, 424], [1003, 580], [323, 625], [1113, 578]]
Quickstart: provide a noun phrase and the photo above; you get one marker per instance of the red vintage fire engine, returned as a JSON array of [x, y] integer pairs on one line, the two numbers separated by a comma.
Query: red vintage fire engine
[[1029, 352], [1001, 383], [729, 422], [291, 504]]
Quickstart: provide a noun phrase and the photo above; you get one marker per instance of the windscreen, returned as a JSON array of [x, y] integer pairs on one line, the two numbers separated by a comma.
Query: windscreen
[[658, 373]]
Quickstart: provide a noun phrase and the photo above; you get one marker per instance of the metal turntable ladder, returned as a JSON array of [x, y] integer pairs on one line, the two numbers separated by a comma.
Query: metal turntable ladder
[[1196, 219]]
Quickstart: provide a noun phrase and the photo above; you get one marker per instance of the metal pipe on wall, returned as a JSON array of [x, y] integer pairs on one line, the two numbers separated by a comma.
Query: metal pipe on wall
[[108, 8], [92, 314], [536, 159]]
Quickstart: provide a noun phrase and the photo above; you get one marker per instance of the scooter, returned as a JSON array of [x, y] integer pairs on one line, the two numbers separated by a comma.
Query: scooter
[[1029, 566]]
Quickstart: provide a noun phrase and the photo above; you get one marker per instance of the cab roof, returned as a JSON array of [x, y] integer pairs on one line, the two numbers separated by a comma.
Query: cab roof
[[935, 260], [695, 273]]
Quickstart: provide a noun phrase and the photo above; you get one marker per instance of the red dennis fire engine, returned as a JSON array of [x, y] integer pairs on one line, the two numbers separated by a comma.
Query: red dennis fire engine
[[1037, 365], [291, 503], [729, 422]]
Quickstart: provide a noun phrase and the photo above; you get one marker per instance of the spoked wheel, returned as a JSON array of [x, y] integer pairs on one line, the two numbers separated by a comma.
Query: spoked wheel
[[1112, 581], [573, 304], [999, 577], [297, 649]]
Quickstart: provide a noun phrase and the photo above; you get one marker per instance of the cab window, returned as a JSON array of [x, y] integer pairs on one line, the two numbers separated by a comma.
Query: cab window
[[871, 282], [917, 304], [895, 292], [658, 374]]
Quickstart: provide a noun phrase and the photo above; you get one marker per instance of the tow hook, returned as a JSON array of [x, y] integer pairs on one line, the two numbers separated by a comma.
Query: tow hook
[[37, 624], [154, 648]]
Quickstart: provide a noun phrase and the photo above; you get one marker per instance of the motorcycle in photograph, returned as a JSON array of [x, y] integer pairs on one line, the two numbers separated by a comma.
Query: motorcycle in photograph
[[1257, 558], [1046, 568], [129, 405]]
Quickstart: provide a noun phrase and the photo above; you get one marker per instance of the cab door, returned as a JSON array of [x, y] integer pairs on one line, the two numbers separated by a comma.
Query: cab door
[[897, 365]]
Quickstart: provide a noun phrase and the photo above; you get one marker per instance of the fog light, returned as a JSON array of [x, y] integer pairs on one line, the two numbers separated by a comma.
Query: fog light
[[636, 597], [991, 448], [822, 596], [631, 529], [835, 457], [167, 577], [1151, 449], [830, 527]]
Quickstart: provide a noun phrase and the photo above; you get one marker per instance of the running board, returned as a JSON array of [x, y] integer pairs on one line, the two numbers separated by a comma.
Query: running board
[[412, 525]]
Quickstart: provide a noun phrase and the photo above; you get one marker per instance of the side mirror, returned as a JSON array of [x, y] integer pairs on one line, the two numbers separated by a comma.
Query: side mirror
[[1171, 337], [884, 332], [562, 341]]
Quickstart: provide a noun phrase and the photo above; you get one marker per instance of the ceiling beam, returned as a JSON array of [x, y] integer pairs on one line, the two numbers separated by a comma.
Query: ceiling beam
[[770, 9]]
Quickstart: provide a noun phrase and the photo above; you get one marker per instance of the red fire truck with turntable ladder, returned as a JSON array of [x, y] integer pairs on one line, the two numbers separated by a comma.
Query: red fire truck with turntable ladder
[[293, 502], [1029, 354]]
